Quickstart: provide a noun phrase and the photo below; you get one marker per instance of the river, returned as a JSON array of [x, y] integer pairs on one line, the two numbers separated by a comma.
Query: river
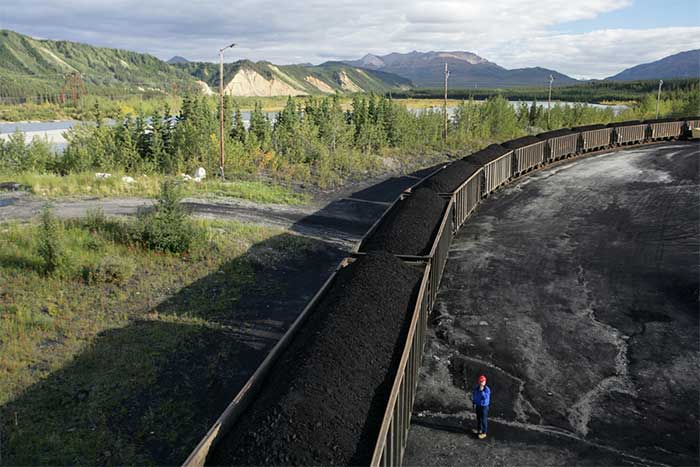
[[54, 130]]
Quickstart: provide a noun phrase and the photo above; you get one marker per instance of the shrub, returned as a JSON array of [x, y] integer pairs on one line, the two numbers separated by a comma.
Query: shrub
[[109, 270], [95, 220], [168, 227], [49, 249]]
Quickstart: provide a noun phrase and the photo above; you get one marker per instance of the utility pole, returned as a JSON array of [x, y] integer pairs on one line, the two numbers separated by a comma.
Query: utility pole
[[549, 100], [221, 112], [658, 98], [444, 108]]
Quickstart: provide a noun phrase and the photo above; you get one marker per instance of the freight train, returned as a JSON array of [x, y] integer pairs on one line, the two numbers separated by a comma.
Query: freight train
[[416, 232]]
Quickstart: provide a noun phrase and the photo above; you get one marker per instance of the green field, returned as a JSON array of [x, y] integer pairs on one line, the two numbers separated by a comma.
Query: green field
[[104, 361]]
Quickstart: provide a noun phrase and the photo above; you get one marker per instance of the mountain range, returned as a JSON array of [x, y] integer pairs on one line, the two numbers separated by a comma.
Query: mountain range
[[37, 67], [681, 65], [467, 70]]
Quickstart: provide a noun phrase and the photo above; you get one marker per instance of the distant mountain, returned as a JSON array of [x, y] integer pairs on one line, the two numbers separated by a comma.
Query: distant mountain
[[246, 78], [467, 70], [681, 65], [177, 59], [31, 66]]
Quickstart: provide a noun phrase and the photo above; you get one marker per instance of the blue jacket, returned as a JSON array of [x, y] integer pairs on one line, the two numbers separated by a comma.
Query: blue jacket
[[481, 398]]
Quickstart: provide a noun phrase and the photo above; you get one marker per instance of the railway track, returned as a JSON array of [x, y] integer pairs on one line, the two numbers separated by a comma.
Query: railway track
[[463, 186]]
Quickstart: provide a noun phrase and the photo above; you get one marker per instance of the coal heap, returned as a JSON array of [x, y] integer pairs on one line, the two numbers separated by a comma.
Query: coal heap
[[324, 399], [451, 177], [410, 227], [521, 142]]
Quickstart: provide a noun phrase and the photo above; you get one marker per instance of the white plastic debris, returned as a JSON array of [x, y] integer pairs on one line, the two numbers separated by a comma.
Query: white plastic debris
[[197, 179], [200, 173], [127, 179], [102, 175]]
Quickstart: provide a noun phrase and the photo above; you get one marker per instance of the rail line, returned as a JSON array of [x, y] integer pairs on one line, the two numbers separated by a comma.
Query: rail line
[[489, 172]]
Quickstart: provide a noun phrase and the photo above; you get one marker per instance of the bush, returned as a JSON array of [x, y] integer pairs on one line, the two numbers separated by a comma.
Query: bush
[[168, 227], [95, 220], [49, 249], [109, 270]]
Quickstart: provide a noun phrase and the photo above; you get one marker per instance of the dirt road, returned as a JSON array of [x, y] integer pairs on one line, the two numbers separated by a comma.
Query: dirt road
[[340, 217]]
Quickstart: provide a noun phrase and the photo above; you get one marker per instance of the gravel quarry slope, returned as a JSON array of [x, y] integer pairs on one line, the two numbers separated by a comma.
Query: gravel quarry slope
[[575, 290]]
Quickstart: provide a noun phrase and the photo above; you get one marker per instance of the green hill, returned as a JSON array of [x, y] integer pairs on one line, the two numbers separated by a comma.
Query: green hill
[[33, 67]]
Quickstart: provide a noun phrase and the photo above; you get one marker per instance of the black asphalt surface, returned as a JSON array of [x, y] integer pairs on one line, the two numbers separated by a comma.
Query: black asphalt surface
[[575, 290]]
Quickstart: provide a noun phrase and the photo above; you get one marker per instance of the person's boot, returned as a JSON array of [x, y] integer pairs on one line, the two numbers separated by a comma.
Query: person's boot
[[482, 435]]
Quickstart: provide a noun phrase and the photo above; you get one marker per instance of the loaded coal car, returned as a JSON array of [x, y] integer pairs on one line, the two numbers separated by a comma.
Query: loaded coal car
[[528, 151], [594, 137], [321, 396], [416, 227], [665, 128], [497, 162], [629, 132], [560, 143], [461, 181]]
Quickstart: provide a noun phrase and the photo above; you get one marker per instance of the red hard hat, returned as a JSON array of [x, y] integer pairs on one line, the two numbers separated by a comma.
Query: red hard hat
[[482, 378]]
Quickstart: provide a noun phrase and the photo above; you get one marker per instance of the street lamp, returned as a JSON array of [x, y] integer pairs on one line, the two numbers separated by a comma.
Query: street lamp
[[658, 97], [221, 112], [549, 100]]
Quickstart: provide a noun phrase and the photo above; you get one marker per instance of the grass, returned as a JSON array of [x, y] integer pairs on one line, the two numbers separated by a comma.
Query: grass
[[110, 368], [52, 186]]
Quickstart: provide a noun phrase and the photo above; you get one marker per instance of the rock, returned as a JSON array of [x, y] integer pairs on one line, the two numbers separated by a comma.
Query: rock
[[200, 173], [127, 179], [102, 175]]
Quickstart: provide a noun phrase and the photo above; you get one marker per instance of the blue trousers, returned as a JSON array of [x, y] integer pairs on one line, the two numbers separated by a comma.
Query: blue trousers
[[482, 418]]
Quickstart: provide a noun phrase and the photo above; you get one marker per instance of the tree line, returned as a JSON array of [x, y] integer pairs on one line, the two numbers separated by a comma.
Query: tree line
[[312, 139]]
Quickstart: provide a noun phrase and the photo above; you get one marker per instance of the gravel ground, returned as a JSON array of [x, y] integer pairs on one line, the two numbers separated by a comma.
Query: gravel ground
[[575, 291]]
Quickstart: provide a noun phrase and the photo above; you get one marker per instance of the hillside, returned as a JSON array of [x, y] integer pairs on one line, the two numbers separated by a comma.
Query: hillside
[[681, 65], [246, 78], [31, 66], [467, 70]]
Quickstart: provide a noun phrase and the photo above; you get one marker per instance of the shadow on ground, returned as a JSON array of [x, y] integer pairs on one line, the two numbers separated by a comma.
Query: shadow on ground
[[146, 393]]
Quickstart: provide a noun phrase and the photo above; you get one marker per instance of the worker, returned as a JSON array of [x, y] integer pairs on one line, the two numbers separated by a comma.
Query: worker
[[481, 397]]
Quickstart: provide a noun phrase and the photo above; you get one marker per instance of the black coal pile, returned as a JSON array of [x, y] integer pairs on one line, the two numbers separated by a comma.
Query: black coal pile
[[486, 155], [597, 126], [521, 142], [661, 120], [451, 177], [626, 123], [410, 227], [325, 397], [554, 133]]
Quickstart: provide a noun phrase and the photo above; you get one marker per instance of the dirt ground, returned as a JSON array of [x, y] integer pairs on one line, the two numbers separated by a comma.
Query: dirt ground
[[575, 291], [341, 216]]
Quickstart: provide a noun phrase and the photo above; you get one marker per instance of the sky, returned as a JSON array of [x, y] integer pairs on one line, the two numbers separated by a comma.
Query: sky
[[581, 38]]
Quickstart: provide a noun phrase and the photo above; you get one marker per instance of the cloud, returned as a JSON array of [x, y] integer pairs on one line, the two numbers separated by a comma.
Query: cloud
[[512, 33]]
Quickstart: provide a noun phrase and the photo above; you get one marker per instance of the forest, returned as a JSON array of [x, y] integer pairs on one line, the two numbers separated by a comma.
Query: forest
[[311, 140]]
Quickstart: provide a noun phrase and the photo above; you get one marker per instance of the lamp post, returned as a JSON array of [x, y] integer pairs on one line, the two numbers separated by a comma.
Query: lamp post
[[444, 108], [221, 112], [549, 100], [658, 97]]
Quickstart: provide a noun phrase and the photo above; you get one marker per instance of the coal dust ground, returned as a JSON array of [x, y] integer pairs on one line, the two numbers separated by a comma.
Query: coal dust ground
[[575, 290]]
